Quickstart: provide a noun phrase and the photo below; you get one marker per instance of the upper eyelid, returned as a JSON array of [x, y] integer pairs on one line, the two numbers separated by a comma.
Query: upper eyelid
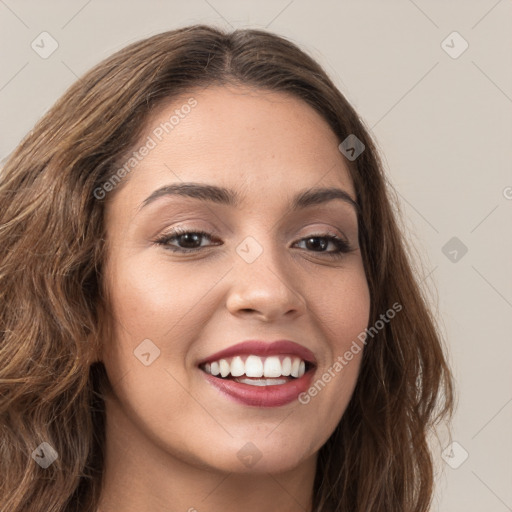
[[317, 231], [341, 224]]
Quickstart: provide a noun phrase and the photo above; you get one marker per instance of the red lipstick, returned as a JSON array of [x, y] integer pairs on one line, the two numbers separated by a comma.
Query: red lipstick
[[261, 391]]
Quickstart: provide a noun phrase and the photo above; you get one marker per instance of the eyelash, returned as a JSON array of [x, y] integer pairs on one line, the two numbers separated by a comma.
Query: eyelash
[[343, 247]]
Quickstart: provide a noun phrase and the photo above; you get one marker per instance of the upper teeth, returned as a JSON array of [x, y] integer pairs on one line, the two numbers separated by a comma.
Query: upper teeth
[[255, 366]]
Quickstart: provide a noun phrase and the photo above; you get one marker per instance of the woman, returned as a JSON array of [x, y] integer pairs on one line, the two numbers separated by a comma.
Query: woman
[[207, 302]]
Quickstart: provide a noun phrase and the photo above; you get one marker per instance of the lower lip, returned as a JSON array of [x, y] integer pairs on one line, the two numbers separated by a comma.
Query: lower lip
[[262, 396]]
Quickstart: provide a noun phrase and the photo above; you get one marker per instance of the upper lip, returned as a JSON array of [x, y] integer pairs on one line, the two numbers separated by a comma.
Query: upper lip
[[263, 348]]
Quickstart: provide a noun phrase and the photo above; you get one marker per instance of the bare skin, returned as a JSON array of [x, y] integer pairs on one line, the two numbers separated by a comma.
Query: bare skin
[[173, 439]]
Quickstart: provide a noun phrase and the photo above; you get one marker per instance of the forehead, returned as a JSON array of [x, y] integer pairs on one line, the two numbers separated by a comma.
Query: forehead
[[262, 144]]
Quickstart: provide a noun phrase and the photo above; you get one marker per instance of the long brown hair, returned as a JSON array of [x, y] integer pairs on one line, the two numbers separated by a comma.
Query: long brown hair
[[52, 251]]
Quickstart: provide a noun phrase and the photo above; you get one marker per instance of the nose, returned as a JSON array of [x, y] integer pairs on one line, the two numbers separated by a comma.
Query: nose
[[265, 289]]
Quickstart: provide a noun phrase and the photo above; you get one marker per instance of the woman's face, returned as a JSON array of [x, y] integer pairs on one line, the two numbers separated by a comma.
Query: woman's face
[[267, 270]]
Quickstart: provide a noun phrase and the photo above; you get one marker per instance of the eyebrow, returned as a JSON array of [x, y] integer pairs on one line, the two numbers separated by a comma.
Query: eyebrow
[[225, 196]]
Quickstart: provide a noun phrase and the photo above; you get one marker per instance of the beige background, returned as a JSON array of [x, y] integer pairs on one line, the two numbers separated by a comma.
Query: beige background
[[443, 124]]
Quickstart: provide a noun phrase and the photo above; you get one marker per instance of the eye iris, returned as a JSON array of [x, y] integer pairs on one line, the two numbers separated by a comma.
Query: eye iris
[[190, 238], [320, 243]]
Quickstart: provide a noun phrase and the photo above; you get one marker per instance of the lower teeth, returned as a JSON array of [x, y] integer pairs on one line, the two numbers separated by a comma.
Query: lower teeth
[[260, 382]]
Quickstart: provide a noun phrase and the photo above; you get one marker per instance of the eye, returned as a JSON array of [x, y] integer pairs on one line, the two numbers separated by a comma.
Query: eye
[[322, 241], [187, 238], [188, 241]]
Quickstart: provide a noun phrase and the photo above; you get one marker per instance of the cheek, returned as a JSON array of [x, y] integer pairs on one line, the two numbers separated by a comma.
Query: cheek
[[344, 309], [343, 315], [158, 310], [157, 314], [154, 299]]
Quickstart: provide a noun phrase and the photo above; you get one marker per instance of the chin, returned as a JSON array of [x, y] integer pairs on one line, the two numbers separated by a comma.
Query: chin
[[259, 456]]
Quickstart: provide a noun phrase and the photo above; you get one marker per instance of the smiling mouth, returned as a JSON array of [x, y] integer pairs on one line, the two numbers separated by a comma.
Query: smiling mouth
[[258, 371]]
